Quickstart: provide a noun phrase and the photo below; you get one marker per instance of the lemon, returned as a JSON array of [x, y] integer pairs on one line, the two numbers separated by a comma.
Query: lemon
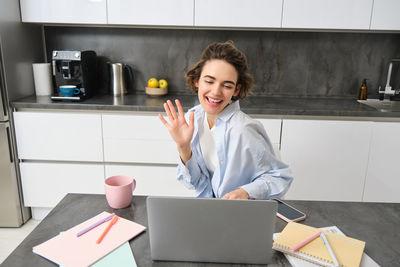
[[152, 83]]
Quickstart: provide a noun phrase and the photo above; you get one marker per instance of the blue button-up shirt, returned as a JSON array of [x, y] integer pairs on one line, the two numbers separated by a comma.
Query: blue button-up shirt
[[246, 159]]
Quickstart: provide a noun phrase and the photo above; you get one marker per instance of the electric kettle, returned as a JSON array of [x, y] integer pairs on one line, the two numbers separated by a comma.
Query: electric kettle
[[118, 78]]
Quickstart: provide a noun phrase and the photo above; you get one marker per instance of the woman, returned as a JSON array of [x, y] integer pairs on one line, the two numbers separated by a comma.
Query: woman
[[224, 153]]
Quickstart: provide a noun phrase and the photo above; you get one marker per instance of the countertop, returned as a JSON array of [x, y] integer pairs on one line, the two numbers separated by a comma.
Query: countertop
[[374, 223], [275, 106]]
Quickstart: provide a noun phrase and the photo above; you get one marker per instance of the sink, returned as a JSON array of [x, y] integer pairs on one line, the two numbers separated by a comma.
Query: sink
[[382, 105]]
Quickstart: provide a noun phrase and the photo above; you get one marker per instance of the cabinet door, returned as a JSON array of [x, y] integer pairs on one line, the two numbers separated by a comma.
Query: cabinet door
[[328, 158], [71, 11], [273, 129], [138, 139], [151, 12], [385, 15], [382, 183], [238, 13], [327, 14], [58, 136], [45, 184], [151, 180]]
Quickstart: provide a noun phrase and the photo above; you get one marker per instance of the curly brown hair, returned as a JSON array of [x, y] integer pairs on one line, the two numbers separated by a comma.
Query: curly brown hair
[[228, 52]]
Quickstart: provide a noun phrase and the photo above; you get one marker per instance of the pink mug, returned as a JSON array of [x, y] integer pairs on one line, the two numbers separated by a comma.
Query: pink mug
[[119, 191]]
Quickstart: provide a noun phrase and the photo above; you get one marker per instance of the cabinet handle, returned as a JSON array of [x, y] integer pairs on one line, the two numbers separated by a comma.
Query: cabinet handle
[[3, 87], [9, 145]]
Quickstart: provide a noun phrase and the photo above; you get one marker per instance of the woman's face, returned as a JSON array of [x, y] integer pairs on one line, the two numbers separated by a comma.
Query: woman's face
[[216, 86]]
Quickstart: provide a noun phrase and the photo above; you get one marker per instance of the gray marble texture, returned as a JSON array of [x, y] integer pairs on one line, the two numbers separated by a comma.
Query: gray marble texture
[[295, 64]]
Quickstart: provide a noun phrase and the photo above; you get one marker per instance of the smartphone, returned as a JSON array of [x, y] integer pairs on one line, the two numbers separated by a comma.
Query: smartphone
[[288, 213]]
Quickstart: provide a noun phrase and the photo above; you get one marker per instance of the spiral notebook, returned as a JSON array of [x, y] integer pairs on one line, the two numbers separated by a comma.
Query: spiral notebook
[[348, 250]]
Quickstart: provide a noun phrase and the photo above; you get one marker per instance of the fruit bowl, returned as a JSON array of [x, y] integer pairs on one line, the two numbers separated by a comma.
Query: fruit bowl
[[156, 91]]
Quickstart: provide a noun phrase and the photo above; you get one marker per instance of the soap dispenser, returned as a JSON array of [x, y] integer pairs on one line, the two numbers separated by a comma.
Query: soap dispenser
[[362, 93]]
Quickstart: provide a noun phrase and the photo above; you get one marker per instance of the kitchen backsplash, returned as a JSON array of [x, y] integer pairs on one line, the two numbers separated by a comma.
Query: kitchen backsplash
[[301, 64]]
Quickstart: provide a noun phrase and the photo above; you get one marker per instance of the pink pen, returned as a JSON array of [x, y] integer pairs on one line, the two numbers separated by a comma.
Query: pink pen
[[305, 242]]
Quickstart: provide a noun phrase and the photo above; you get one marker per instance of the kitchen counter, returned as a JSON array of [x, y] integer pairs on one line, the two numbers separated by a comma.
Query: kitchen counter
[[374, 223], [254, 105]]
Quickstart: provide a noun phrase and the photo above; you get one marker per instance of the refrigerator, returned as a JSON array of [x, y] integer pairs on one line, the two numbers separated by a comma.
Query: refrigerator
[[21, 45]]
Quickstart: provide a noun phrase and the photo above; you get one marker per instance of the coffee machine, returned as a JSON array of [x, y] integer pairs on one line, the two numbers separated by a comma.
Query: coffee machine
[[75, 68]]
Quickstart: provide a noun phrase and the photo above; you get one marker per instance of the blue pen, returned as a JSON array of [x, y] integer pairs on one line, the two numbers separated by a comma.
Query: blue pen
[[87, 229]]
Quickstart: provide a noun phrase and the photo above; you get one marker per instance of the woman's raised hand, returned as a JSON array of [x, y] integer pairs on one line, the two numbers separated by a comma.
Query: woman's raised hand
[[180, 131]]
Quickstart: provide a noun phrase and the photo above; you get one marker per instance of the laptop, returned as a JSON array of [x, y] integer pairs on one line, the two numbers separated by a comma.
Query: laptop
[[211, 230]]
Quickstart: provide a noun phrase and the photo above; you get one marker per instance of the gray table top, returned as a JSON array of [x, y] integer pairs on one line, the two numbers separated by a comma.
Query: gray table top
[[253, 105], [375, 223]]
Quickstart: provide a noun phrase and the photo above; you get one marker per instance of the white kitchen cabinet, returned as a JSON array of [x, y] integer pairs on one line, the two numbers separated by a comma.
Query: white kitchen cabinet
[[45, 184], [151, 180], [58, 136], [151, 12], [327, 14], [138, 139], [328, 158], [273, 129], [238, 13], [71, 11], [385, 15], [144, 139], [383, 176]]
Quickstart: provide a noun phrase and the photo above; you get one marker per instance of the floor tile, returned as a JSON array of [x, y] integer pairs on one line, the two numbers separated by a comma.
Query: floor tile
[[10, 238]]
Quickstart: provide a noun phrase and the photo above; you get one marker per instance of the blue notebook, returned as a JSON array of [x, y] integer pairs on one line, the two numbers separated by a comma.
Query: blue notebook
[[121, 256]]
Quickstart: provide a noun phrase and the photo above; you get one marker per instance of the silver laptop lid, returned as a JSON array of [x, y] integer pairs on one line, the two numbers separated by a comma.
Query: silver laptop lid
[[211, 230]]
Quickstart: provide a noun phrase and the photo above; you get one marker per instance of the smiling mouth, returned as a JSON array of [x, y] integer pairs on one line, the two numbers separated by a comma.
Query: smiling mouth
[[213, 100]]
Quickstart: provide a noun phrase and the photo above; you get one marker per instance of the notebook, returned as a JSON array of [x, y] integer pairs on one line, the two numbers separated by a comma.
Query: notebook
[[67, 249], [348, 251], [211, 230], [121, 256], [366, 260]]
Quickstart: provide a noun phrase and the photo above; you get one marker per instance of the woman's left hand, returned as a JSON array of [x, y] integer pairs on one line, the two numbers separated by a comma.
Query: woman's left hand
[[239, 193]]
